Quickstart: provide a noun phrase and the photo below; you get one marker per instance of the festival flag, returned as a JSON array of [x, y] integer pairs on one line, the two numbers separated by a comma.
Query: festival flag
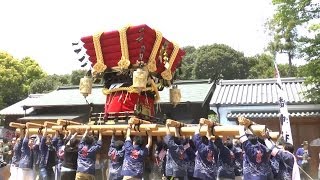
[[285, 126]]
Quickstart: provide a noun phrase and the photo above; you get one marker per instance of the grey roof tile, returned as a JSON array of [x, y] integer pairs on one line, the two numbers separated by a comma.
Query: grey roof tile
[[258, 91], [17, 108], [273, 114]]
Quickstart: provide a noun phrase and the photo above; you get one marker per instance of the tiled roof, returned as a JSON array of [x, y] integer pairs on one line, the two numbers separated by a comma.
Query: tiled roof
[[193, 91], [273, 114], [258, 91], [17, 108], [51, 117]]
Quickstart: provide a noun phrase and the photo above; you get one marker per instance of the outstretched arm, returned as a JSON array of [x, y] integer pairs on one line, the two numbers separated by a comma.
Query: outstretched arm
[[242, 134], [72, 137], [176, 132], [149, 139], [168, 129], [128, 133], [86, 132]]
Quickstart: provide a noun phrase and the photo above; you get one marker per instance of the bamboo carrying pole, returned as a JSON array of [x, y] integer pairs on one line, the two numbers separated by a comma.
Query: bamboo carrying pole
[[36, 131], [227, 130], [17, 125], [50, 124], [142, 127], [174, 123], [204, 121], [34, 125], [66, 122], [135, 120]]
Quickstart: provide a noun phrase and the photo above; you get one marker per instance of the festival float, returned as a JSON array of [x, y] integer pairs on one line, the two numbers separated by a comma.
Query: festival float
[[135, 63]]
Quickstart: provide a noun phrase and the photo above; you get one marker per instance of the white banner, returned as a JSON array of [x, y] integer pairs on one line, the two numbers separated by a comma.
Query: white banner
[[284, 114]]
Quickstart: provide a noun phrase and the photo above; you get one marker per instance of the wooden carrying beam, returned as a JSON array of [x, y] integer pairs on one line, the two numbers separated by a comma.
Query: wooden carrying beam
[[33, 125], [50, 124], [173, 123], [17, 125], [67, 122], [134, 120], [35, 131], [204, 121], [120, 127], [227, 130]]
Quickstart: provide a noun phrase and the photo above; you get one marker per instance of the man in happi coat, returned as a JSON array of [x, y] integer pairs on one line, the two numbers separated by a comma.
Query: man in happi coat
[[160, 159], [206, 156], [176, 165], [116, 156], [288, 167], [87, 151], [226, 159], [256, 161], [26, 161], [135, 153], [47, 156], [16, 156]]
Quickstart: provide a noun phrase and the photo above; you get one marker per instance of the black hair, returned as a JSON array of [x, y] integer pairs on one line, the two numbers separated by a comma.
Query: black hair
[[192, 145], [74, 142], [260, 140], [289, 147], [229, 144], [61, 136], [5, 140], [118, 145], [177, 140], [138, 140], [88, 140], [252, 138], [205, 140]]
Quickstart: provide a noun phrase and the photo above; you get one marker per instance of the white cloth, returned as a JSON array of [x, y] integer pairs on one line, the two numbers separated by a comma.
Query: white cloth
[[25, 174], [13, 172], [295, 170]]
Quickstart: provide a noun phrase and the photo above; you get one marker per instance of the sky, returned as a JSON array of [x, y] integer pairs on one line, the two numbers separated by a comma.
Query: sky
[[44, 30]]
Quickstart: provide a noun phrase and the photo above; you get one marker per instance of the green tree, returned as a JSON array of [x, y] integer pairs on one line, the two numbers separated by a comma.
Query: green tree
[[49, 83], [11, 79], [219, 61], [76, 75], [261, 66], [310, 51], [186, 71], [289, 16], [32, 71]]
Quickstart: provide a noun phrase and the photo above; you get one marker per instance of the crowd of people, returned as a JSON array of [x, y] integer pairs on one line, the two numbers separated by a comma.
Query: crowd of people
[[175, 157]]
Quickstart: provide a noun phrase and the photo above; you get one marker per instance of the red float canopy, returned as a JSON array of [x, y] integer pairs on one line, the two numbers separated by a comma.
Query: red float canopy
[[140, 43]]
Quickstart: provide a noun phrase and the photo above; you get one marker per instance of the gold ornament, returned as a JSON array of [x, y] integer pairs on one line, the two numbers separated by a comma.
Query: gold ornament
[[175, 95], [85, 86], [99, 66], [140, 79]]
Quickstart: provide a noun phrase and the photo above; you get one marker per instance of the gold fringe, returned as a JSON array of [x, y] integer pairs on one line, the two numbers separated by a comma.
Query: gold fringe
[[99, 66], [166, 74], [152, 66]]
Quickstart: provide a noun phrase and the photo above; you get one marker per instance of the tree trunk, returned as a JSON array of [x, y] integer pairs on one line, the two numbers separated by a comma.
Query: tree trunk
[[290, 57]]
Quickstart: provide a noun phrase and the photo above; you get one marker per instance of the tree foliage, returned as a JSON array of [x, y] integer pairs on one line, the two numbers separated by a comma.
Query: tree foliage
[[76, 75], [11, 79], [220, 61], [45, 85], [311, 52], [290, 15], [32, 71], [186, 71]]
